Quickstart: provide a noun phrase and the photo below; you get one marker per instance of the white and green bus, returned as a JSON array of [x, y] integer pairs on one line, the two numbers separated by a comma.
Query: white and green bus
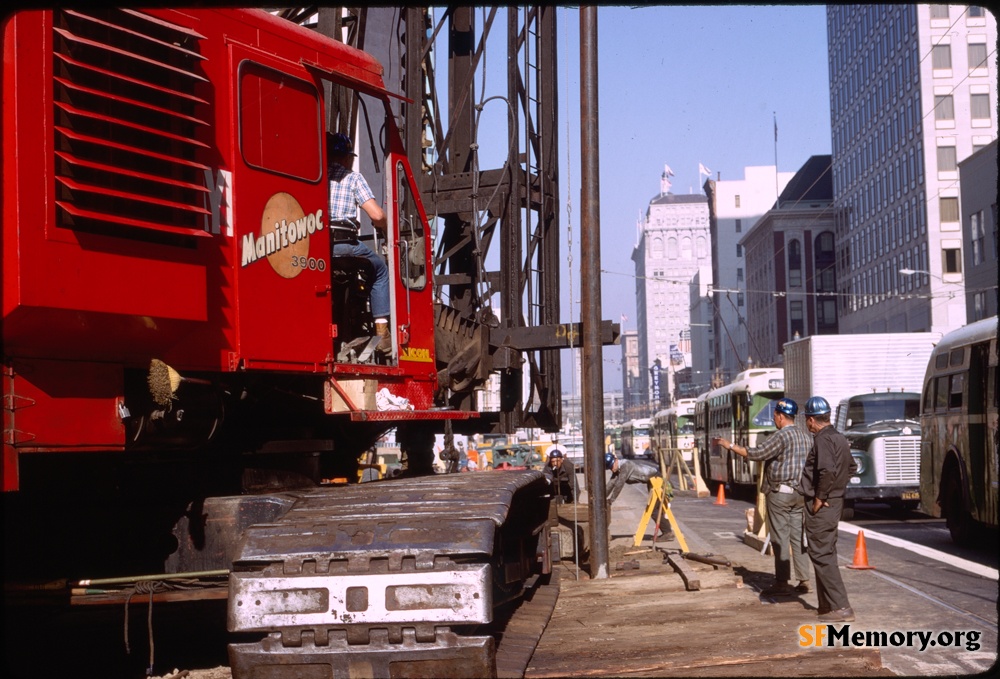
[[742, 412], [959, 439]]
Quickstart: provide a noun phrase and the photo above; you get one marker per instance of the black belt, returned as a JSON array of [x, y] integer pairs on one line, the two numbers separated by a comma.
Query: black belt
[[344, 231], [343, 235]]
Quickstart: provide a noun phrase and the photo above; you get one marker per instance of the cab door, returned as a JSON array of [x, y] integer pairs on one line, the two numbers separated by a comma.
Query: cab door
[[281, 235]]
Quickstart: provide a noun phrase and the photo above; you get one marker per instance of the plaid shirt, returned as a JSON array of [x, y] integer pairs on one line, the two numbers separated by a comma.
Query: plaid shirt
[[348, 190], [784, 455]]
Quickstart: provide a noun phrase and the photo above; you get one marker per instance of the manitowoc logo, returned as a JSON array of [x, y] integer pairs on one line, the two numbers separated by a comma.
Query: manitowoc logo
[[284, 237]]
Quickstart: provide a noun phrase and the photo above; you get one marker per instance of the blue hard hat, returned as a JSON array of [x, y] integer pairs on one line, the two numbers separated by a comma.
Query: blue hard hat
[[555, 453], [339, 144], [787, 406], [817, 405], [609, 460]]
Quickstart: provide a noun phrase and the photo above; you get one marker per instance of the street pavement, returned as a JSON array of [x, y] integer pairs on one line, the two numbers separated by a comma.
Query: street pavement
[[904, 592]]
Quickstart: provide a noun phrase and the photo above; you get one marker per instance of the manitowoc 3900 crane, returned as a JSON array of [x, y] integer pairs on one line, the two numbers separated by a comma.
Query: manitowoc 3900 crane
[[189, 378]]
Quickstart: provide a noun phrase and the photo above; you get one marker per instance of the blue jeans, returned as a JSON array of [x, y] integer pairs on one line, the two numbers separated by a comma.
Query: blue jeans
[[380, 286]]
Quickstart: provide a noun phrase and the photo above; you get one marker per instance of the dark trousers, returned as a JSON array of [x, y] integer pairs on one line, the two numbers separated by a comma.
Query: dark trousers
[[821, 532]]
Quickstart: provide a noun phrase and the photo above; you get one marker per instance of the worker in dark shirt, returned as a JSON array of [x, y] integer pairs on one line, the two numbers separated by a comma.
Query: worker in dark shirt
[[829, 467], [561, 473]]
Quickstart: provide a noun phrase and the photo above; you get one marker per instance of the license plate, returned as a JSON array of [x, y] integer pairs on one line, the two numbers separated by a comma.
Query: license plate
[[911, 495]]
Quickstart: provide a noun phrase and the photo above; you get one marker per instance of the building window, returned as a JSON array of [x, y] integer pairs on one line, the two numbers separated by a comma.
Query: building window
[[941, 56], [737, 197], [949, 209], [739, 226], [794, 264], [657, 249], [944, 107], [952, 260], [798, 322], [978, 238], [826, 259], [976, 11], [947, 159], [977, 55], [939, 11], [739, 275], [826, 312], [979, 104], [739, 250], [739, 302], [979, 305]]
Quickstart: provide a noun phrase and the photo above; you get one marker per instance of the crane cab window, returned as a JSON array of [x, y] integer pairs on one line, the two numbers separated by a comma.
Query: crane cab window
[[281, 127], [412, 248]]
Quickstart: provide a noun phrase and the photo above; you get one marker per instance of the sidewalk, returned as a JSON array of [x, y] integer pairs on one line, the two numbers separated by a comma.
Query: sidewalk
[[642, 621]]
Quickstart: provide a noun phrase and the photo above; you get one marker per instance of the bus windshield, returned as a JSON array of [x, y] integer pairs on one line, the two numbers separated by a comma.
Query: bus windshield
[[640, 431], [762, 409], [685, 425]]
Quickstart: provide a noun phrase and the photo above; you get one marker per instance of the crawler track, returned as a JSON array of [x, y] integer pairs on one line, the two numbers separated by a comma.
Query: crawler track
[[395, 578]]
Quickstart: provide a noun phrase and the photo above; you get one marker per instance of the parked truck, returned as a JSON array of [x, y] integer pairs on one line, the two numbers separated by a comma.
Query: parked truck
[[873, 382]]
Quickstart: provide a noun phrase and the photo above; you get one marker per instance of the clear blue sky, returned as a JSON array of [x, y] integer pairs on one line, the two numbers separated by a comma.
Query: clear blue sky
[[682, 86]]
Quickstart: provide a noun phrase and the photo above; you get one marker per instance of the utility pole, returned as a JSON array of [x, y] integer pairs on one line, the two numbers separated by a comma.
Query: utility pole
[[590, 296]]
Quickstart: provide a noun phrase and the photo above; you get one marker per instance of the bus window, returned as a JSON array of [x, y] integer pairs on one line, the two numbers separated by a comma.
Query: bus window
[[929, 396], [957, 387], [941, 361], [957, 357], [941, 402]]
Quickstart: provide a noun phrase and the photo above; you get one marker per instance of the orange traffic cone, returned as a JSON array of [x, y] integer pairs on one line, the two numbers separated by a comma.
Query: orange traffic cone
[[720, 497], [860, 553]]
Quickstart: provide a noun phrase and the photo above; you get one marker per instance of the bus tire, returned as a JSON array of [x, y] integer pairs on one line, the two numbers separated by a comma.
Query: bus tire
[[957, 517]]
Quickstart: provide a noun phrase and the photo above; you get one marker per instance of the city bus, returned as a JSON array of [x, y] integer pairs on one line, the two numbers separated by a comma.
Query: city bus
[[635, 439], [958, 443], [742, 412], [674, 428]]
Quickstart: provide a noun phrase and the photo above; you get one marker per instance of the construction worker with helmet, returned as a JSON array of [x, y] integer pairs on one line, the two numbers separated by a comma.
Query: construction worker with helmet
[[828, 469], [632, 471], [561, 474], [784, 456]]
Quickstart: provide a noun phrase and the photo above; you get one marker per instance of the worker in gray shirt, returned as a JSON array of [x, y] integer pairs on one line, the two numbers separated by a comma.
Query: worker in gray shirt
[[784, 455]]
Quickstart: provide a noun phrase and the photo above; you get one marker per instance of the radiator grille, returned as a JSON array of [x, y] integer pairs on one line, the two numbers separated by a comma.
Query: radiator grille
[[129, 110], [902, 459]]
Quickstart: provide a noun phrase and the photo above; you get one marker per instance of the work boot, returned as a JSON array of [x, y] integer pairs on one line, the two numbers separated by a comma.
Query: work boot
[[384, 345], [839, 615]]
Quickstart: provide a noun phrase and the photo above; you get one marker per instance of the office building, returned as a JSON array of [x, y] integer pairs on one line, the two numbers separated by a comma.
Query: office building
[[791, 282], [734, 206], [913, 92], [978, 176], [672, 243]]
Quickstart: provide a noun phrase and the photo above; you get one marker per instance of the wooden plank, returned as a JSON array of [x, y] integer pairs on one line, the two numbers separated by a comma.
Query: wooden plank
[[691, 579]]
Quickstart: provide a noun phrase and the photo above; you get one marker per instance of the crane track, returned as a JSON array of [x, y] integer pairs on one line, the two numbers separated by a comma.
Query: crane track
[[397, 578]]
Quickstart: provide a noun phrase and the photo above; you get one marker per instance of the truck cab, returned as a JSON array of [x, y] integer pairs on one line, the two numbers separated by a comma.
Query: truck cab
[[884, 432]]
